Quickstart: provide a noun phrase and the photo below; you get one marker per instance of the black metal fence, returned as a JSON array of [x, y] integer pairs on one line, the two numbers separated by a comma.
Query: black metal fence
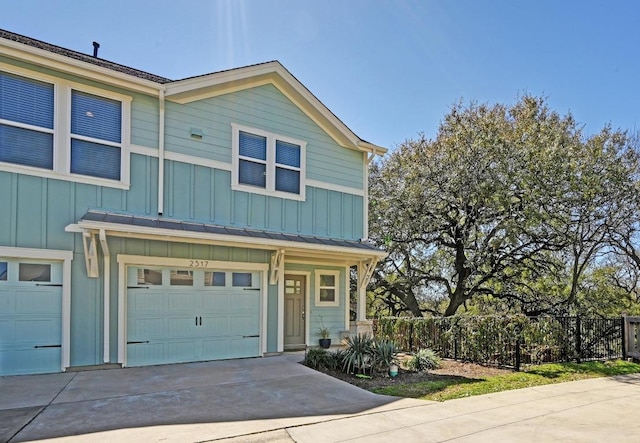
[[508, 341]]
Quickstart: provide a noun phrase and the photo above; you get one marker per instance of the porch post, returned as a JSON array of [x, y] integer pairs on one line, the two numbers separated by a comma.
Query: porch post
[[362, 293]]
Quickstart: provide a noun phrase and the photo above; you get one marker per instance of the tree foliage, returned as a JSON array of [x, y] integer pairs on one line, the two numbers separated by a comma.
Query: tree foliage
[[511, 203]]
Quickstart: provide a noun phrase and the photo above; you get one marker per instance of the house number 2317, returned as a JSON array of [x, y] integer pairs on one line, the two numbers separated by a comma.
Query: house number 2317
[[198, 263]]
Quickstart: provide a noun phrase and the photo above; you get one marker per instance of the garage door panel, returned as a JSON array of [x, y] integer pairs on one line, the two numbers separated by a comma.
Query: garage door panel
[[214, 326], [181, 326], [39, 301], [38, 331], [146, 328], [181, 351], [30, 319], [245, 301], [147, 301], [198, 322], [7, 301], [29, 361], [142, 354], [244, 325]]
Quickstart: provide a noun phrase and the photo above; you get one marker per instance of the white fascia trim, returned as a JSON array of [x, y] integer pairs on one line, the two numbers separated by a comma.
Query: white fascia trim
[[54, 255], [182, 158], [75, 178], [266, 73], [80, 68], [229, 240], [198, 161], [143, 150], [337, 188]]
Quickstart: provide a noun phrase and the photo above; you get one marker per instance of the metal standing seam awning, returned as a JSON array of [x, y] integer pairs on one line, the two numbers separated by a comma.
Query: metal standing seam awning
[[166, 229]]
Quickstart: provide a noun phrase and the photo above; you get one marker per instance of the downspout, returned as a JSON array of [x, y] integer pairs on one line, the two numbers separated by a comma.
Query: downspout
[[161, 152], [365, 228]]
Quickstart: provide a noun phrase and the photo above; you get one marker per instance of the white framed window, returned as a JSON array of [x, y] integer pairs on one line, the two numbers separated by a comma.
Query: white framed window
[[266, 163], [327, 288], [55, 128]]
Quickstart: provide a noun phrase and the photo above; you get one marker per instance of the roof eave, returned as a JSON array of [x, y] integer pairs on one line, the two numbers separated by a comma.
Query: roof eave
[[41, 57], [224, 82]]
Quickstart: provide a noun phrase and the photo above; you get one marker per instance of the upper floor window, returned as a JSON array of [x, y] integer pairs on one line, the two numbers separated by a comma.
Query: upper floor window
[[54, 128], [26, 121], [268, 164]]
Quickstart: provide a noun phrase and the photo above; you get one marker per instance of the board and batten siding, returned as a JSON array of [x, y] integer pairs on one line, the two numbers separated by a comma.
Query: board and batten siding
[[266, 108], [203, 194]]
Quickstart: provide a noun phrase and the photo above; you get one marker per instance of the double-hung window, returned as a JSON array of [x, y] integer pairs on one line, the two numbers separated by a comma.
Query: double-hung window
[[327, 288], [267, 163], [96, 135], [26, 121], [55, 128]]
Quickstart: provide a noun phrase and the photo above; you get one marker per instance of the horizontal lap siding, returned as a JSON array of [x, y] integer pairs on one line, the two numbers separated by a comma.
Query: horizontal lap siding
[[264, 108]]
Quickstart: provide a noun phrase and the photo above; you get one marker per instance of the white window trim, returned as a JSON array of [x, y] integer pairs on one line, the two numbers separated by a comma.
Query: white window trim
[[62, 132], [336, 288], [270, 189]]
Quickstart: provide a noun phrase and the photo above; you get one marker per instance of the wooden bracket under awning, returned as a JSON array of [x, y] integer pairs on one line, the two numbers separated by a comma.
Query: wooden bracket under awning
[[277, 266]]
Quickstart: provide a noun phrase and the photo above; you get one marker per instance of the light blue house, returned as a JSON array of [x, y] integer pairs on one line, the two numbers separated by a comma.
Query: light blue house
[[148, 221]]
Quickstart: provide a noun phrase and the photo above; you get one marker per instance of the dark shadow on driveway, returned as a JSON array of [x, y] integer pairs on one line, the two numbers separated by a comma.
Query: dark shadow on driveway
[[209, 392]]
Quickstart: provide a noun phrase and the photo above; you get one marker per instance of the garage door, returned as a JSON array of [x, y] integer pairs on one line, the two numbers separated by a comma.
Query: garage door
[[177, 315], [30, 317]]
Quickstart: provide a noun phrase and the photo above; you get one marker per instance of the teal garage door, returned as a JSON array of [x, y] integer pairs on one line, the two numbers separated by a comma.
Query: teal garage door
[[176, 315], [30, 317]]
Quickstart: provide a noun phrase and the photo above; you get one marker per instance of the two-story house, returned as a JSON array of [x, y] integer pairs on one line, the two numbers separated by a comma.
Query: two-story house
[[148, 221]]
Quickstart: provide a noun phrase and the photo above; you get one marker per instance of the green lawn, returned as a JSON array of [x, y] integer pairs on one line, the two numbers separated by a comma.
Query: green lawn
[[456, 387]]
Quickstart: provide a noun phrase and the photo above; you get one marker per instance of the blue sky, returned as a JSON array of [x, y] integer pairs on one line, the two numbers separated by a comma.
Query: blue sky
[[388, 69]]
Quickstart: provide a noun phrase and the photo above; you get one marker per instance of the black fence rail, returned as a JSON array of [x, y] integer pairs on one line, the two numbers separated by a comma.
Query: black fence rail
[[508, 341]]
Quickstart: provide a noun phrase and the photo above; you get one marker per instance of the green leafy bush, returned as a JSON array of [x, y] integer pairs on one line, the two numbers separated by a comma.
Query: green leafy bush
[[423, 360], [334, 360], [316, 358]]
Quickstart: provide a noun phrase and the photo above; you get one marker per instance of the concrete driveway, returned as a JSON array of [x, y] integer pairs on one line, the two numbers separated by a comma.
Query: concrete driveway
[[274, 399], [182, 402]]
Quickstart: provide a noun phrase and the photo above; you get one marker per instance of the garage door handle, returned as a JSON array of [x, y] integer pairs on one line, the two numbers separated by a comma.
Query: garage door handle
[[137, 342], [137, 287], [47, 346], [251, 289], [49, 284], [251, 336]]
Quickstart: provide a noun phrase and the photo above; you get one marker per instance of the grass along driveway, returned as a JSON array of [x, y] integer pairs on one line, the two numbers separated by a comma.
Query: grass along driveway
[[447, 387]]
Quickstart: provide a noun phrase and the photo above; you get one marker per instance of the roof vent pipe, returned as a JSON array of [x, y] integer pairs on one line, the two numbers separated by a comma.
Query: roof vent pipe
[[96, 45]]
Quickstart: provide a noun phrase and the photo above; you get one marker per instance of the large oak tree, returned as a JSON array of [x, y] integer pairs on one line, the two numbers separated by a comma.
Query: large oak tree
[[512, 202]]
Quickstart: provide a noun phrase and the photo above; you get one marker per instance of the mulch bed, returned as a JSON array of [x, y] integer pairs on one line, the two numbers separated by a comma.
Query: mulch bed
[[448, 369]]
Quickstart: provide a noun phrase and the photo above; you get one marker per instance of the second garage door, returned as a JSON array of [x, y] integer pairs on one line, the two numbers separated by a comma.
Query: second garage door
[[176, 315]]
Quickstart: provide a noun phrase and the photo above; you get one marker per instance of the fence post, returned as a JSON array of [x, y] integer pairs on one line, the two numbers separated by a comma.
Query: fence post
[[623, 334], [411, 336], [517, 367], [578, 339]]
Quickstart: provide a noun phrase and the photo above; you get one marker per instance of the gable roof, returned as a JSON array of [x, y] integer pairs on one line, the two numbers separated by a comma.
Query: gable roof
[[188, 89]]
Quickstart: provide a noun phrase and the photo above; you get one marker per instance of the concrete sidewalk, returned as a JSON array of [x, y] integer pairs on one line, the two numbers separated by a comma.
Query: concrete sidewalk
[[596, 410], [275, 399]]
